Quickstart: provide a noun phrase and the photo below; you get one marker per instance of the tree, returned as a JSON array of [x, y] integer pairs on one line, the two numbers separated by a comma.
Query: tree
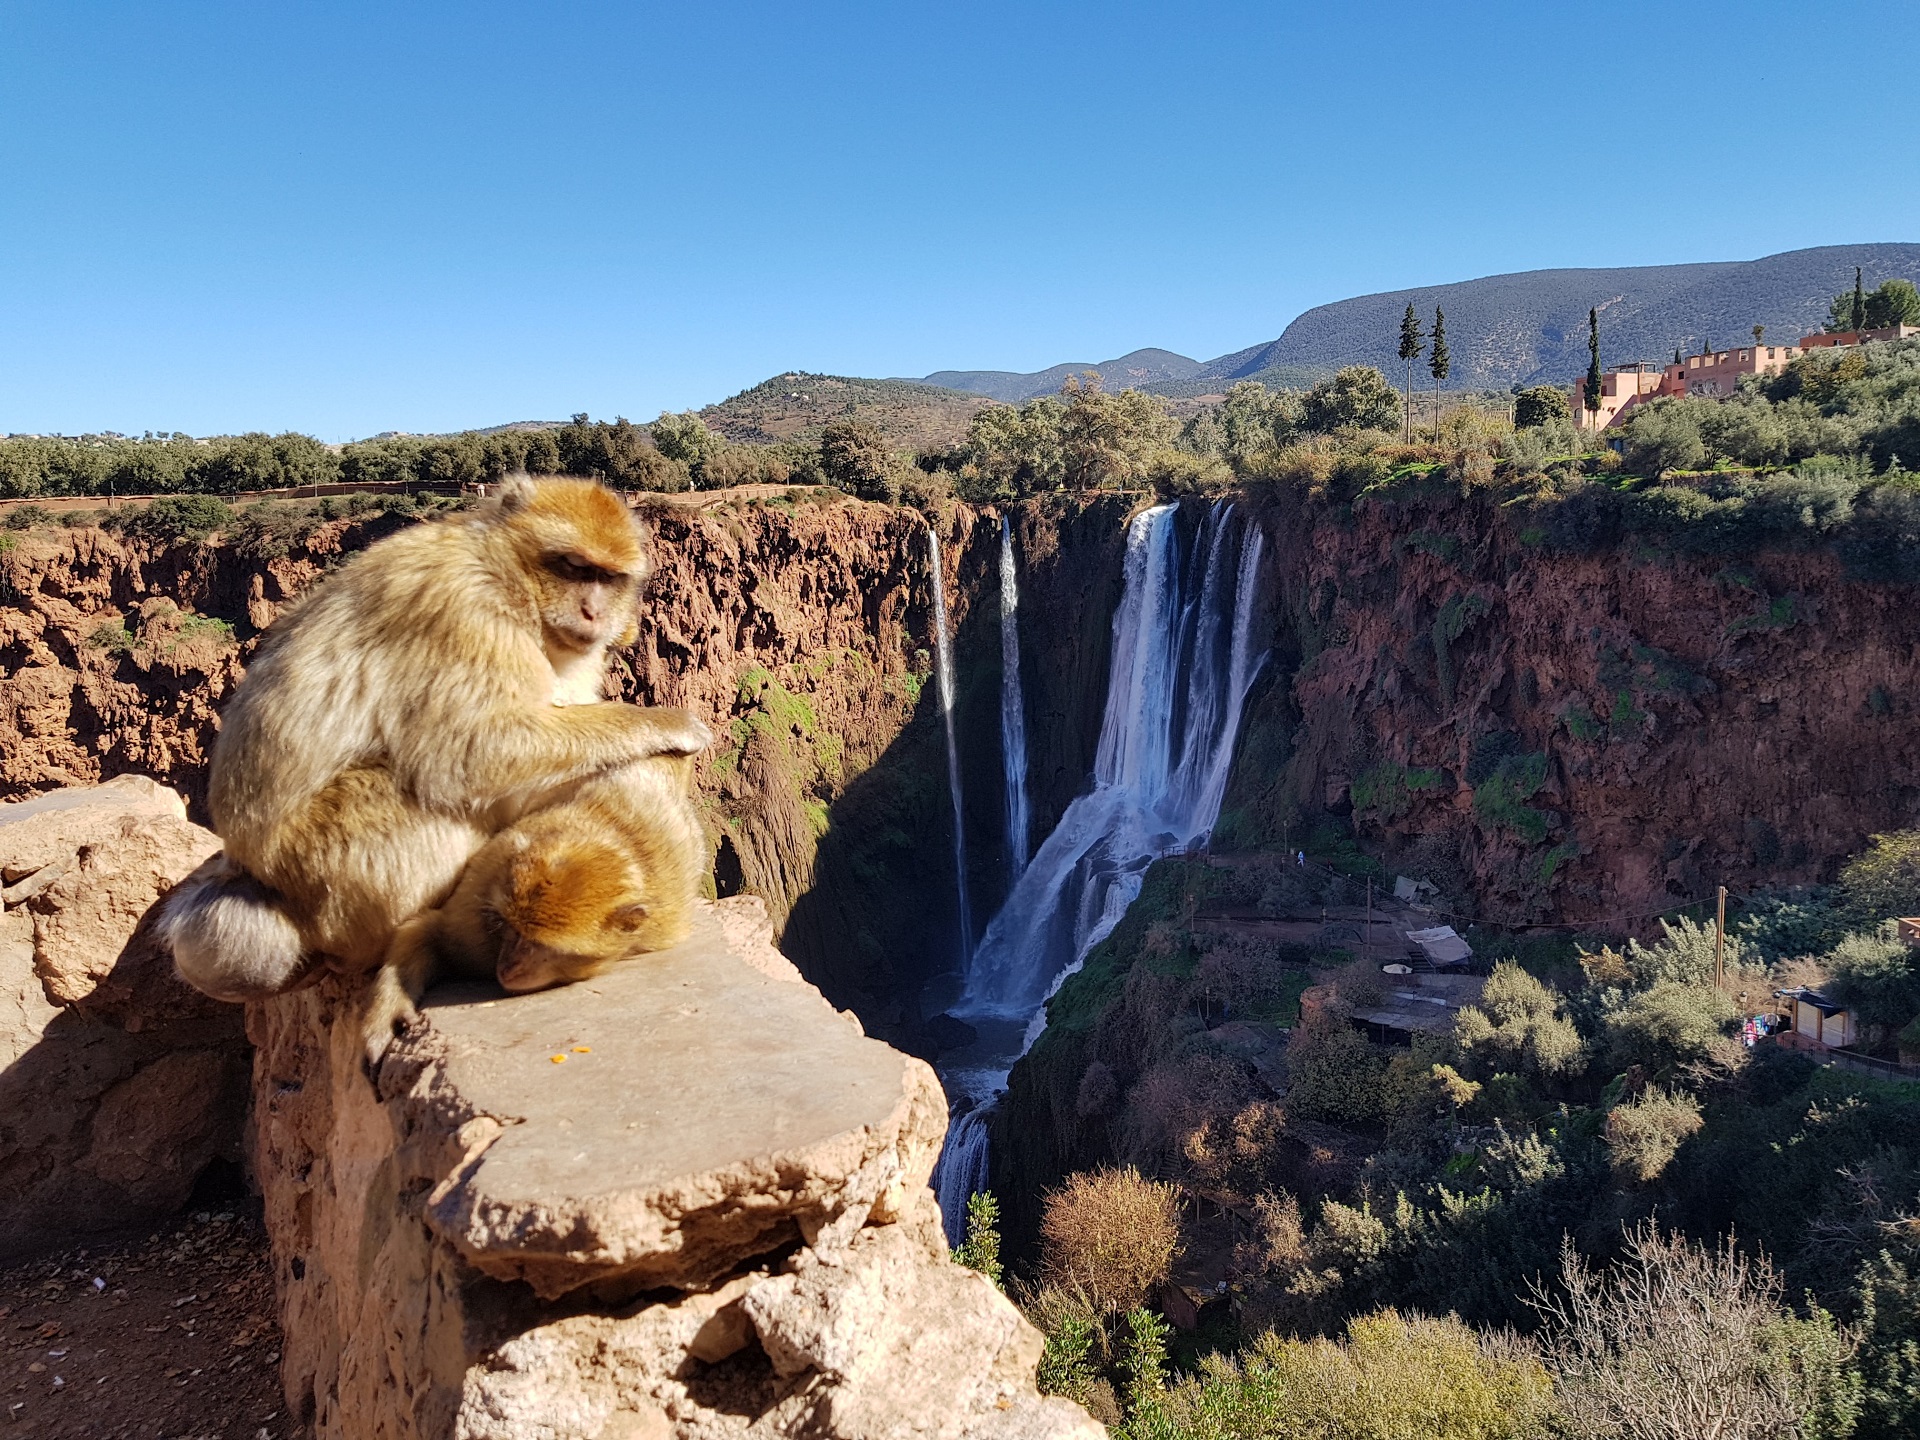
[[854, 457], [1440, 363], [686, 438], [1643, 1135], [1591, 391], [1758, 331], [1539, 405], [1849, 308], [1413, 343], [1676, 355], [1357, 397], [1896, 302]]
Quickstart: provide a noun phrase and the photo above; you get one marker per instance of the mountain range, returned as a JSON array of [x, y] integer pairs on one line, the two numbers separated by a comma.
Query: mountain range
[[1527, 328]]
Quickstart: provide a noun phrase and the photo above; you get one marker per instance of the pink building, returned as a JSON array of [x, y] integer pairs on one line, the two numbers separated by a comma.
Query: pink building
[[1713, 373]]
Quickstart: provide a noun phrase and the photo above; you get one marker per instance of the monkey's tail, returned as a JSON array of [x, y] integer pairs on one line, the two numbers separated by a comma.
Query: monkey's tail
[[231, 936]]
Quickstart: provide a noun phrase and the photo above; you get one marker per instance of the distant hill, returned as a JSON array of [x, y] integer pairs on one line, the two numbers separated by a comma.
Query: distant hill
[[1138, 371], [1521, 329], [797, 406]]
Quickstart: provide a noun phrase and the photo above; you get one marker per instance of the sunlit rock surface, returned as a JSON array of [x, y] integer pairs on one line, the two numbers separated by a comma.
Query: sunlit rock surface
[[686, 1198]]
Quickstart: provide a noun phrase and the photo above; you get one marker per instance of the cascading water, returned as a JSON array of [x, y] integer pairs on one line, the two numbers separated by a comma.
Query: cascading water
[[943, 661], [1181, 666], [1013, 712]]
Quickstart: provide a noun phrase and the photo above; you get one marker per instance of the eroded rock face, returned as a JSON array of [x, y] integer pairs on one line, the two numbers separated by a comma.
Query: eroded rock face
[[686, 1198], [118, 1084]]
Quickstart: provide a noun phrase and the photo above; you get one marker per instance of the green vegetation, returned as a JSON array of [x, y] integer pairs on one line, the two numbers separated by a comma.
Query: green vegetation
[[1386, 791], [1894, 302], [981, 1249], [1509, 1174]]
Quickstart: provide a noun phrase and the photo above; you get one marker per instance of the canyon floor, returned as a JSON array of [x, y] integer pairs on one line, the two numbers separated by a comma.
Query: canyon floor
[[168, 1336]]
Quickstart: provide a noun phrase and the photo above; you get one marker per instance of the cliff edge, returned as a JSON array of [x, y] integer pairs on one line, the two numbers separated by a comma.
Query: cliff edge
[[688, 1198]]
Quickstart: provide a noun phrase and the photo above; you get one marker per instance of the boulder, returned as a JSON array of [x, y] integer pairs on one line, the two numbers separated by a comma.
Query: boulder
[[118, 1084], [686, 1198]]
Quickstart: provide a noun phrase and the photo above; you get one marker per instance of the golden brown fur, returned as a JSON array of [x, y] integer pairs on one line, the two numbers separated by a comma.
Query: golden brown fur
[[559, 897], [399, 716]]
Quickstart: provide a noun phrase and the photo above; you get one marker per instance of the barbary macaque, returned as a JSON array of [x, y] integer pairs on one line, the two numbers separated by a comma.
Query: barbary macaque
[[568, 891], [414, 704]]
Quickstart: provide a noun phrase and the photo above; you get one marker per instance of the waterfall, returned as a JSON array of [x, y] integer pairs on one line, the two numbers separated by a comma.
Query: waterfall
[[943, 661], [1182, 663], [1013, 712]]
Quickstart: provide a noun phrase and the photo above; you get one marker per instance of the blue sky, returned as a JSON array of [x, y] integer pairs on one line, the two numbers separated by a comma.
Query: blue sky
[[346, 218]]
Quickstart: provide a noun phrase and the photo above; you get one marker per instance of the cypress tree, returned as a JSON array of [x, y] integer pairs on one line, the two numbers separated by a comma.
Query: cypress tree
[[1412, 342], [1859, 301], [1440, 364], [1676, 354], [1593, 362]]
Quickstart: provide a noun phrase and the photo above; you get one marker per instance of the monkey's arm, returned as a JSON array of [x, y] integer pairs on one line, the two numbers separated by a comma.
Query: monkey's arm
[[530, 754]]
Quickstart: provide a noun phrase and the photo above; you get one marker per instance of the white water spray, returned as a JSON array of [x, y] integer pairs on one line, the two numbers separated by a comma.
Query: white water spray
[[1181, 665], [1013, 712], [943, 661]]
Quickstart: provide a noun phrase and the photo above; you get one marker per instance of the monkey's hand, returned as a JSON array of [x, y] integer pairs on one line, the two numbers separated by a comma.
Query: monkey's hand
[[669, 730]]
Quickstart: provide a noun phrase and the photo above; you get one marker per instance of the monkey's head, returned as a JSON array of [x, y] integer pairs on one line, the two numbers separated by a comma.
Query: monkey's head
[[584, 555], [570, 912]]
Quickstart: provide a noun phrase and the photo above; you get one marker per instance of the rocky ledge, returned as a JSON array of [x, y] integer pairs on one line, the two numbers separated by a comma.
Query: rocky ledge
[[688, 1199]]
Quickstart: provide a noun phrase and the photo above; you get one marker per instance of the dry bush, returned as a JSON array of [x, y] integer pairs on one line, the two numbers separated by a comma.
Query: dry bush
[[1173, 1100], [1112, 1235], [1677, 1342], [1233, 1155], [1643, 1134]]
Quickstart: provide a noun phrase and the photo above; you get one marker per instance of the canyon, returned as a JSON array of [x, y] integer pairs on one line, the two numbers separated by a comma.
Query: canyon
[[1550, 735]]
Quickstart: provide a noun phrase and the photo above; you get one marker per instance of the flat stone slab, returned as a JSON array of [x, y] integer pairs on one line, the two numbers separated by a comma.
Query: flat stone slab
[[663, 1123]]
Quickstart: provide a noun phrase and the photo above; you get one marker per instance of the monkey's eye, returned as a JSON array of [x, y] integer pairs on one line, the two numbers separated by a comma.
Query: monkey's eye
[[577, 570]]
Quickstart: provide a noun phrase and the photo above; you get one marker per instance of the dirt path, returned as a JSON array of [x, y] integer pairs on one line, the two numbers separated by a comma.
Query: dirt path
[[169, 1337]]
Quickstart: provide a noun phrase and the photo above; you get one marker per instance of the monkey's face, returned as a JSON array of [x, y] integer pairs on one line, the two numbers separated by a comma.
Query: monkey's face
[[584, 554], [584, 602], [568, 916]]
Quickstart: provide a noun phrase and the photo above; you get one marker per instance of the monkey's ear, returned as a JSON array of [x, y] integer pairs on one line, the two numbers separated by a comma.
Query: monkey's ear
[[515, 491], [628, 918]]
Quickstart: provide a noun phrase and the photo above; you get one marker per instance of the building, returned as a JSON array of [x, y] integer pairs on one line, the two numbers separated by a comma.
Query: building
[[1714, 374], [1817, 1017], [1858, 337]]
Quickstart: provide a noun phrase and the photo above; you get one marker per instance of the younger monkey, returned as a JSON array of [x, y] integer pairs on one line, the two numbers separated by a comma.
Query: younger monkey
[[561, 896]]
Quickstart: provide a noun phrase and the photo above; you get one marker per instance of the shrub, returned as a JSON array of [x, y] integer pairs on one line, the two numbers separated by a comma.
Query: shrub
[[1540, 405], [1677, 1342], [1643, 1134], [1519, 1025], [1111, 1233], [1394, 1376], [1873, 975], [1668, 1025], [178, 517], [981, 1249], [25, 517], [1884, 882], [1333, 1074], [1357, 397]]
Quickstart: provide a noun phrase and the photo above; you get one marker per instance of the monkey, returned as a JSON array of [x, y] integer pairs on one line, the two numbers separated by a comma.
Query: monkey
[[560, 896], [399, 715]]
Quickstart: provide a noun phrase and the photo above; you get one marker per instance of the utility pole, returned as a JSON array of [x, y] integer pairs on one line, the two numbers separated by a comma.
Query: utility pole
[[1719, 942]]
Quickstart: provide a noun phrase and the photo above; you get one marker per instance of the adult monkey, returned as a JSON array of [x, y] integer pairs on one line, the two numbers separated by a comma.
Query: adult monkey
[[398, 716]]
